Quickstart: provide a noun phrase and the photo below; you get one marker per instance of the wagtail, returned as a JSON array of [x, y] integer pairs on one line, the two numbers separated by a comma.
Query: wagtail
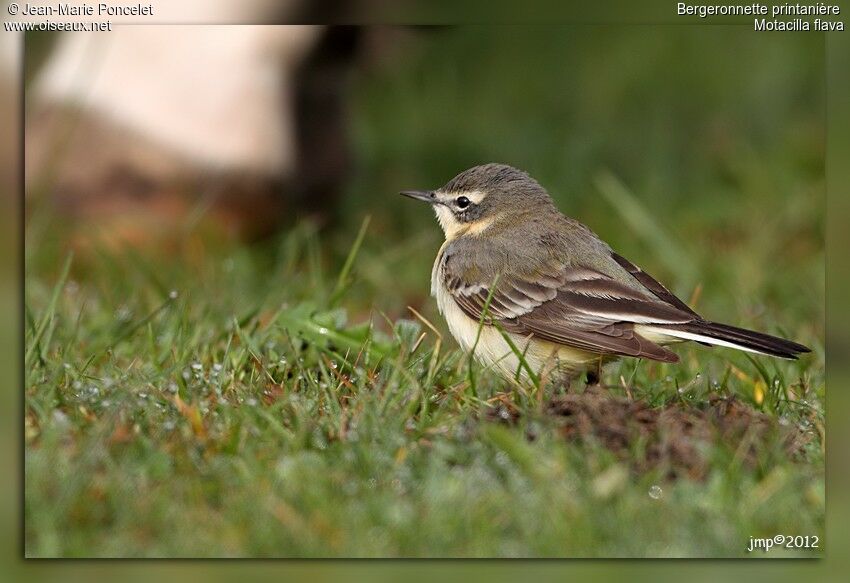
[[513, 266]]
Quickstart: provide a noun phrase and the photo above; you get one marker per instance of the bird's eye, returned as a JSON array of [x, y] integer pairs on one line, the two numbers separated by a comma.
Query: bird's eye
[[462, 202]]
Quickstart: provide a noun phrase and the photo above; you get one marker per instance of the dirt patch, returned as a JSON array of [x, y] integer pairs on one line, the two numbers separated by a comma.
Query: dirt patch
[[677, 437]]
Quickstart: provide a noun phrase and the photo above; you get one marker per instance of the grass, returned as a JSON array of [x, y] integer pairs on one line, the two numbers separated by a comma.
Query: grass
[[260, 421], [281, 399]]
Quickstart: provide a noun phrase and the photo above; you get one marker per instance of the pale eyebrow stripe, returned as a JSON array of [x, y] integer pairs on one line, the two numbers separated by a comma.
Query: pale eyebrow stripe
[[475, 196]]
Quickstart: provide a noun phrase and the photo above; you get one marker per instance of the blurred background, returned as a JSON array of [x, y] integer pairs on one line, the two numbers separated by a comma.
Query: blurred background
[[698, 153]]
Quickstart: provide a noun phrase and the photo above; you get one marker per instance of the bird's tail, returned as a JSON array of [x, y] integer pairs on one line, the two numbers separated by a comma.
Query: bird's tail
[[733, 337]]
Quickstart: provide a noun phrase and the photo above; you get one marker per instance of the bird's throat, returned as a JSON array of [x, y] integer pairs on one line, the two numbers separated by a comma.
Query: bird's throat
[[454, 228]]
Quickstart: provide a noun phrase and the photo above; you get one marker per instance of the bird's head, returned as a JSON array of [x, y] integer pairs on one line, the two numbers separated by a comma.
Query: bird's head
[[476, 199]]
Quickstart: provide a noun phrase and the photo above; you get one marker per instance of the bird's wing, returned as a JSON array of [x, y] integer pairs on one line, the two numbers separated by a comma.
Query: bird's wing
[[652, 284], [573, 305]]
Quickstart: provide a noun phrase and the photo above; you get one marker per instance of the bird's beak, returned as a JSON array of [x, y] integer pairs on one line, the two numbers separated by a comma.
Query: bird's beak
[[423, 195]]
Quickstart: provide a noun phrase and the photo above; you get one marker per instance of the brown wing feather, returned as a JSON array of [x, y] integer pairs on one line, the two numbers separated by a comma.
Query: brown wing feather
[[652, 284], [579, 307]]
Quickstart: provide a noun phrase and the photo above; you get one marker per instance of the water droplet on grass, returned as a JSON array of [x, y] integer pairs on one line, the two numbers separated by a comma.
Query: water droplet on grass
[[173, 294], [655, 492], [60, 419]]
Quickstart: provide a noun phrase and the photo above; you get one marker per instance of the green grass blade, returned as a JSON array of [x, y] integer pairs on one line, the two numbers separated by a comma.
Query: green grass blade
[[342, 281], [47, 317], [523, 363]]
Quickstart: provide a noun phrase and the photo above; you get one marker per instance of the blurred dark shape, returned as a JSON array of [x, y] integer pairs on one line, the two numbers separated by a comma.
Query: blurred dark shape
[[160, 130], [321, 118]]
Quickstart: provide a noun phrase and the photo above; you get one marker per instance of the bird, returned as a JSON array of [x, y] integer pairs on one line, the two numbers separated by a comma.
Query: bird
[[533, 293]]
